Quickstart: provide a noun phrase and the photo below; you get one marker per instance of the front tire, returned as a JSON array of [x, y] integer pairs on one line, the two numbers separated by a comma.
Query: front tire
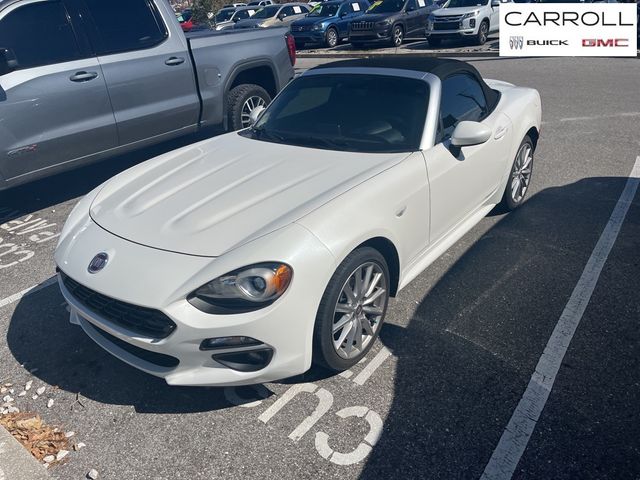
[[397, 36], [519, 176], [240, 103], [352, 310], [331, 38], [483, 33]]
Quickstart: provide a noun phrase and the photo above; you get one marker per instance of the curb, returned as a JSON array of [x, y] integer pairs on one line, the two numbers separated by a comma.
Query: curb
[[16, 463], [394, 54]]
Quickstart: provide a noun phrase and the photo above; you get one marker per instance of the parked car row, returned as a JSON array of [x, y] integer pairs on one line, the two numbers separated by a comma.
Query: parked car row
[[360, 22]]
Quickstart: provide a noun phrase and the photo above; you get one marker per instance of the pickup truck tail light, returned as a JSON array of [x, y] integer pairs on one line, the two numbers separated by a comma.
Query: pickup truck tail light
[[291, 46]]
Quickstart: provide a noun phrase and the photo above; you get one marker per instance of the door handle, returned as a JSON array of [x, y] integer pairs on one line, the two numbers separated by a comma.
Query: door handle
[[83, 76], [174, 61]]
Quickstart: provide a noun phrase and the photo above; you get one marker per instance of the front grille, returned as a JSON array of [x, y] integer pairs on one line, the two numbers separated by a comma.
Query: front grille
[[448, 18], [362, 26], [446, 26], [140, 320], [301, 28], [159, 359]]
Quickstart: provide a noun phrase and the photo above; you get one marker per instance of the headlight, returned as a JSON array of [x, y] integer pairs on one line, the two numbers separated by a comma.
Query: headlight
[[384, 23], [317, 26], [243, 290], [470, 14]]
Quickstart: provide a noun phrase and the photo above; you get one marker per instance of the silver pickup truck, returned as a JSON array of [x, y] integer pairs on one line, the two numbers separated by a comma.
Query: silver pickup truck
[[81, 80]]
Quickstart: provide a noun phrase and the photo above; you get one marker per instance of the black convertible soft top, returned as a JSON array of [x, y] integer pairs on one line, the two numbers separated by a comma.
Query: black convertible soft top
[[441, 67]]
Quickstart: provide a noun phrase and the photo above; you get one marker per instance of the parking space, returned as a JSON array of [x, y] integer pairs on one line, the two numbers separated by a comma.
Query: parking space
[[435, 395]]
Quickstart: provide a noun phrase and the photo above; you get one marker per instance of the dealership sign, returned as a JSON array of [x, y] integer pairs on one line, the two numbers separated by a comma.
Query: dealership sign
[[568, 30]]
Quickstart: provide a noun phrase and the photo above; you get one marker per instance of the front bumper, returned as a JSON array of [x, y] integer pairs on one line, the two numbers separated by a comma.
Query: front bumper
[[450, 33], [154, 279], [309, 36]]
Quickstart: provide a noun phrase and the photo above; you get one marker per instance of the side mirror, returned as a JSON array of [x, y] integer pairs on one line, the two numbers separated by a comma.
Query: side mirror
[[255, 114], [235, 19], [281, 16], [8, 62], [470, 133]]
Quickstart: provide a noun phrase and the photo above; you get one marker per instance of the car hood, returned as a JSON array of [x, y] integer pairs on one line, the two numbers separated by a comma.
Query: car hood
[[446, 12], [310, 21], [376, 17], [213, 196]]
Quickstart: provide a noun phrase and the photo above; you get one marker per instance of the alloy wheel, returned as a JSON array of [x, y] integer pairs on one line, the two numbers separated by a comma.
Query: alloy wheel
[[359, 310], [397, 36], [249, 105], [332, 38], [521, 173]]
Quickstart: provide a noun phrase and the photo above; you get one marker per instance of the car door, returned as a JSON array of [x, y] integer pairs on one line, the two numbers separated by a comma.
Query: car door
[[463, 179], [494, 19], [424, 8], [54, 106], [147, 69], [411, 17]]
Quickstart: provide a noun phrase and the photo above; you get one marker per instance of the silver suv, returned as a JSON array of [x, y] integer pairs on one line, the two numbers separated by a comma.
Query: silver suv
[[474, 19]]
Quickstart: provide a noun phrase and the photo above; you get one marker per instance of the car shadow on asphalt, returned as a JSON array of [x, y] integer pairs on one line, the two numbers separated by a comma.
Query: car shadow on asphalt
[[474, 339], [77, 182]]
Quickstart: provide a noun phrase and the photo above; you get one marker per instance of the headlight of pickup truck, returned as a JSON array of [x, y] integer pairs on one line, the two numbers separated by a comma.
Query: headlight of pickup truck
[[470, 14], [243, 290]]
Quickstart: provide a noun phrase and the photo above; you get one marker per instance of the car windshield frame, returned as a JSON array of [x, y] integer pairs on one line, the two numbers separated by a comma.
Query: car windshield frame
[[268, 8], [319, 10], [387, 6], [349, 133]]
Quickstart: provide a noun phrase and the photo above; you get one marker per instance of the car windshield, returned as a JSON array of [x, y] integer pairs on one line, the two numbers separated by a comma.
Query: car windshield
[[465, 3], [267, 12], [325, 10], [224, 15], [386, 6], [347, 112]]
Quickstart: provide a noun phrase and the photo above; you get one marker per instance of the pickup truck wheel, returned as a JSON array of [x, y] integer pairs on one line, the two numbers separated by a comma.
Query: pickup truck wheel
[[241, 102], [434, 42], [519, 177], [483, 33], [331, 38], [352, 310], [397, 36]]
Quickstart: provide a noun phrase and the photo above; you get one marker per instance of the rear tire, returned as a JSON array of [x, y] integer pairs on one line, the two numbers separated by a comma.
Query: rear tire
[[241, 100], [351, 311], [519, 177]]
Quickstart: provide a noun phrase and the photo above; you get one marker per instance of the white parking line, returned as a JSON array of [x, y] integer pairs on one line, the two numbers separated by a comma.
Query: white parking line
[[515, 437], [17, 296], [372, 366]]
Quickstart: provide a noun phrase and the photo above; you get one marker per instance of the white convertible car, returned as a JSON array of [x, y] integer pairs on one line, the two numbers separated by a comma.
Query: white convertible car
[[245, 258]]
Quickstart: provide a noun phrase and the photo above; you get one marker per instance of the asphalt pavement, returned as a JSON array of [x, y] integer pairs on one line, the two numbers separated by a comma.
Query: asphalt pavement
[[434, 397]]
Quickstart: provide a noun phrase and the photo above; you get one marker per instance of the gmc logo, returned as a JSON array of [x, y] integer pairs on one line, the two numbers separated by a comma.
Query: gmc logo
[[609, 42]]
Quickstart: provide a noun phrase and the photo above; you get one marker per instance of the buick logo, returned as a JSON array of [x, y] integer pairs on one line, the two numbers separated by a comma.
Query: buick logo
[[516, 43], [98, 262]]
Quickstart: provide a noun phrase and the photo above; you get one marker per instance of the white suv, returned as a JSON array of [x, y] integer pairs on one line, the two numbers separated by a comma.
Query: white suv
[[474, 19]]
